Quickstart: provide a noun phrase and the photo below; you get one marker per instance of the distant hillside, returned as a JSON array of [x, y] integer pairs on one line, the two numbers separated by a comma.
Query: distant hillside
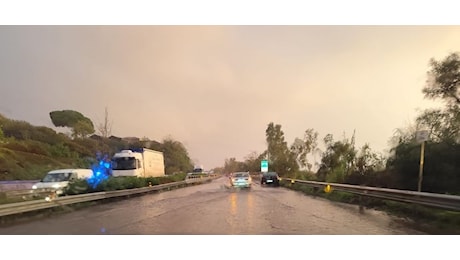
[[28, 152], [18, 165]]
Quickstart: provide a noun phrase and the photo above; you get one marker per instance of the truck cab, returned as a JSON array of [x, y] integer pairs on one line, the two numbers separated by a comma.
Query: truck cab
[[127, 163]]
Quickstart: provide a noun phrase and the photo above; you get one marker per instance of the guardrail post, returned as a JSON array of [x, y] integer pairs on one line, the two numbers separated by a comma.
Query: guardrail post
[[315, 191], [361, 202]]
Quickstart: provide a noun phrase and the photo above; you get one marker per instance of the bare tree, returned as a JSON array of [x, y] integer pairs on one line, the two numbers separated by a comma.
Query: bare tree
[[106, 127]]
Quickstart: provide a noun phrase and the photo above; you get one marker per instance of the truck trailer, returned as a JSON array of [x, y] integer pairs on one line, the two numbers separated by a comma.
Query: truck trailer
[[141, 162]]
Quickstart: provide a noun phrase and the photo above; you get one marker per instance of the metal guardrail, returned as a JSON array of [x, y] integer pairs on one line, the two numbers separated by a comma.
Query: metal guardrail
[[26, 193], [442, 201], [6, 186], [27, 206], [190, 178]]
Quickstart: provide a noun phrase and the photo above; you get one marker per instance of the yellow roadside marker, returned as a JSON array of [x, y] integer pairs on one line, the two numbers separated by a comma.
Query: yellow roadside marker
[[328, 188]]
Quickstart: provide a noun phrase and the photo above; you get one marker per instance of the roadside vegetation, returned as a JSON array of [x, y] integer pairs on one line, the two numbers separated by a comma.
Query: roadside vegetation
[[425, 219], [340, 161]]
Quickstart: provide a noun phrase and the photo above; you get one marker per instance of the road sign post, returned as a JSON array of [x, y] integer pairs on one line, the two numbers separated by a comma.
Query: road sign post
[[420, 173], [421, 136]]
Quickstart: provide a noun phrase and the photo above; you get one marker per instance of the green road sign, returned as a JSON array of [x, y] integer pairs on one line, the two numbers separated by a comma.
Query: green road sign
[[264, 166]]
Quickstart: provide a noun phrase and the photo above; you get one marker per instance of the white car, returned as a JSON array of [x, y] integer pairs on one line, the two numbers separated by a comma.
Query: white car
[[241, 180], [58, 180]]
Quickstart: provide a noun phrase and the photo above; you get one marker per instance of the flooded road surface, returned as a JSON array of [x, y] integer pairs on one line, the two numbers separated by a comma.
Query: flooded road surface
[[215, 208]]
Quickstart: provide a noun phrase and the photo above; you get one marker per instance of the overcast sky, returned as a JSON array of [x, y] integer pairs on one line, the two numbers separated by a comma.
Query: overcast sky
[[216, 88]]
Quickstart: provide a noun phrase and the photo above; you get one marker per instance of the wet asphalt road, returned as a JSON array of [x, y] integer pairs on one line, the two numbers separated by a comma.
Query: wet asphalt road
[[216, 209]]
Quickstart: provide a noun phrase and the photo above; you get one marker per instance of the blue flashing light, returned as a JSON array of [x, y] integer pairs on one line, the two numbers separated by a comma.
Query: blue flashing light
[[102, 170]]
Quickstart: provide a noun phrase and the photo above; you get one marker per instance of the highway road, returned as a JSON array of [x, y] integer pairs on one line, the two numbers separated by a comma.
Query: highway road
[[216, 209]]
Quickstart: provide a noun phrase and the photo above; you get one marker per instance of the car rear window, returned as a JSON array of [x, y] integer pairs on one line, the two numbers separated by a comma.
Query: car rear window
[[270, 174], [240, 174]]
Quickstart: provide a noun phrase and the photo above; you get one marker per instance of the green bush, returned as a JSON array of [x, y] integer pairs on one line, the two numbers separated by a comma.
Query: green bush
[[2, 136], [132, 182], [61, 150], [121, 183], [16, 146], [152, 181], [20, 130], [78, 187], [28, 146], [37, 147], [174, 177], [342, 197]]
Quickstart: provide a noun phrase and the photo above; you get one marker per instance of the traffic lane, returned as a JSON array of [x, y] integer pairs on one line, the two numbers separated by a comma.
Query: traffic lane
[[112, 217], [270, 210], [215, 208]]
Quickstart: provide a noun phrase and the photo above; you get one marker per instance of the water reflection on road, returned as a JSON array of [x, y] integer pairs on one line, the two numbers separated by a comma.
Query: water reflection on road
[[216, 208]]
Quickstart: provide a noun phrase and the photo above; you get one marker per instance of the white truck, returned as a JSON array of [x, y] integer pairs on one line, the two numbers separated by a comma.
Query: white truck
[[138, 162], [58, 180]]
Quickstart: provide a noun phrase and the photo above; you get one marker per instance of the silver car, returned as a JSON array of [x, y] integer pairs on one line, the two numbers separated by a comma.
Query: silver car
[[241, 180]]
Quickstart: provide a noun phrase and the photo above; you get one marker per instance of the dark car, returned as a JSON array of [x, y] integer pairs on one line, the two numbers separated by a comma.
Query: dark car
[[270, 178]]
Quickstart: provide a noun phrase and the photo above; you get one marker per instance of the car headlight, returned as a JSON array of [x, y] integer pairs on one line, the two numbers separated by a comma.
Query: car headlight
[[34, 187], [56, 186]]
